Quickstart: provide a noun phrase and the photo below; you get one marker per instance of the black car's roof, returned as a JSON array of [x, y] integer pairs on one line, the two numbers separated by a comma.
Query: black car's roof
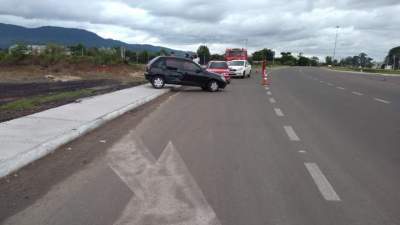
[[175, 57]]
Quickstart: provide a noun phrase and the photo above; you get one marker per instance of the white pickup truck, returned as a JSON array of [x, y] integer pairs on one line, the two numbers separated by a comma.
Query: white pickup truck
[[239, 68]]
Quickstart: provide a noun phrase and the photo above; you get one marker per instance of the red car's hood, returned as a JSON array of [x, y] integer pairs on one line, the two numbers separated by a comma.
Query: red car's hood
[[219, 71]]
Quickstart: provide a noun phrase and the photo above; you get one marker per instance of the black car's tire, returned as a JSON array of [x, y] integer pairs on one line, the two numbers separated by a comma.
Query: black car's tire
[[212, 86], [158, 82]]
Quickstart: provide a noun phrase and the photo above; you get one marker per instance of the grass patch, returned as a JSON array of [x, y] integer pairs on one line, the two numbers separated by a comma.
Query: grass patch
[[368, 70], [33, 102]]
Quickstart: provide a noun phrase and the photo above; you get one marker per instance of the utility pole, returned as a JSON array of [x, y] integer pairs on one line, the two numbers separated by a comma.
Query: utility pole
[[334, 49]]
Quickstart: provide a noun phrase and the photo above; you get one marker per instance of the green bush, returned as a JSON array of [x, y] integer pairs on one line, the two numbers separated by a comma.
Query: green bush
[[52, 55], [107, 57]]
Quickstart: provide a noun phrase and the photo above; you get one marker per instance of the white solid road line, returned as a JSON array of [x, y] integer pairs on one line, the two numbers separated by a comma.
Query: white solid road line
[[322, 183], [381, 100], [269, 93], [291, 134], [341, 88], [278, 112], [357, 93], [272, 100]]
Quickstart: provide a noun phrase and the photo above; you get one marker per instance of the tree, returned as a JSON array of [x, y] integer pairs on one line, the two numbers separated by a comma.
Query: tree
[[288, 59], [304, 61], [328, 60], [363, 59], [217, 57], [144, 57], [131, 56], [314, 61], [348, 61], [356, 62], [19, 51], [264, 54], [360, 60], [3, 54], [204, 54], [393, 57], [78, 50]]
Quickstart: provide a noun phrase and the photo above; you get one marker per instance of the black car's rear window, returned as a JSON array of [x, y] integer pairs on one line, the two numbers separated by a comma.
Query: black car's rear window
[[218, 65], [173, 63]]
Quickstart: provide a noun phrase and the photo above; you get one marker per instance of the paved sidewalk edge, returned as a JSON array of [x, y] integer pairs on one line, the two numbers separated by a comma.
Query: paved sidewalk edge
[[17, 162]]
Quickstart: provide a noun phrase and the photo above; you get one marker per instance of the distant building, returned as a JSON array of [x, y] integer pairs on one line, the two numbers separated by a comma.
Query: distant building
[[36, 49]]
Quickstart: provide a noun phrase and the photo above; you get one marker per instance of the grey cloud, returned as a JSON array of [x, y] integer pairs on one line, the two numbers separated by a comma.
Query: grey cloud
[[300, 26]]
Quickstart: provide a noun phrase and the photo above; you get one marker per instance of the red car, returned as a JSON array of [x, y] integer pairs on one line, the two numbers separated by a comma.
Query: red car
[[221, 68]]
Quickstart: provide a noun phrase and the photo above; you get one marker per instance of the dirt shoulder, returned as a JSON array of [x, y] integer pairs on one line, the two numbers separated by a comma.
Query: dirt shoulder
[[29, 89]]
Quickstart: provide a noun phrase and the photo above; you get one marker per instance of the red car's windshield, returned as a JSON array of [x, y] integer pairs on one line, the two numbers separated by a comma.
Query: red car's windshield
[[218, 65]]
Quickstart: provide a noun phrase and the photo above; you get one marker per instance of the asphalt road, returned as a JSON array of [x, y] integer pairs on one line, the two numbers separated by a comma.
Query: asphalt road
[[316, 147]]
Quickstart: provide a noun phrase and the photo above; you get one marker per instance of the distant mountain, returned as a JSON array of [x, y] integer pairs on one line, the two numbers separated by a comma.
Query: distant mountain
[[12, 34]]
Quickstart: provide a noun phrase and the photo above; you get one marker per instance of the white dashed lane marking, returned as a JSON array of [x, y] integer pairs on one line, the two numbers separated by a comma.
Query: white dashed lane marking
[[272, 100], [322, 183], [269, 93], [382, 100], [357, 93], [291, 134], [278, 112], [341, 88]]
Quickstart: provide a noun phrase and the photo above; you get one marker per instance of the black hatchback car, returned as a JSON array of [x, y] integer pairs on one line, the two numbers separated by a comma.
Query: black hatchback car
[[174, 70]]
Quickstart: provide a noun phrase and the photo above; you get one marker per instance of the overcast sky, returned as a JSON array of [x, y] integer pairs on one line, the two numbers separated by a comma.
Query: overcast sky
[[370, 26]]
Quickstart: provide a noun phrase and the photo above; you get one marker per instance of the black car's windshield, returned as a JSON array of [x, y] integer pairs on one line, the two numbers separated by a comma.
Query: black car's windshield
[[218, 65]]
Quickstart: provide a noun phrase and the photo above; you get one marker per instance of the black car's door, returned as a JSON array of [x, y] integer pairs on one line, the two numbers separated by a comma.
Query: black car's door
[[193, 74], [174, 71]]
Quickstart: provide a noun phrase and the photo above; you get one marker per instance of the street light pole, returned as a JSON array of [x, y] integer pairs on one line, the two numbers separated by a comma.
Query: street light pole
[[334, 49]]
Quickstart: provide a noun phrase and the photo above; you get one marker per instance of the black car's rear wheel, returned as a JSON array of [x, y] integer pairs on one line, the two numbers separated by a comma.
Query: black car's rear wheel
[[212, 86], [158, 82]]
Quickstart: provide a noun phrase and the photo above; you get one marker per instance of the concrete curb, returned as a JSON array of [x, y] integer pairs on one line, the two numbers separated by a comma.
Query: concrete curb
[[18, 161]]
